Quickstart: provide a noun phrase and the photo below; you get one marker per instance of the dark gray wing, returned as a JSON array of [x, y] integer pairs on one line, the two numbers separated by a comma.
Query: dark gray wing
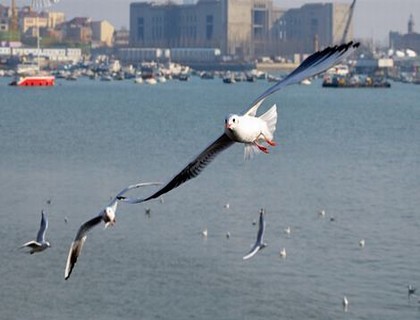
[[261, 229], [77, 244], [42, 228], [192, 170], [311, 66]]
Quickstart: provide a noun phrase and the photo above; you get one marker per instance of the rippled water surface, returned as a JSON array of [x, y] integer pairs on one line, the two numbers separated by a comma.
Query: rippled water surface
[[354, 153]]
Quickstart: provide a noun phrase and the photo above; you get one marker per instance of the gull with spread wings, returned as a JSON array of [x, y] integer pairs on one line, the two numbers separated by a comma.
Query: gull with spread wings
[[259, 243], [249, 129], [106, 215], [40, 244]]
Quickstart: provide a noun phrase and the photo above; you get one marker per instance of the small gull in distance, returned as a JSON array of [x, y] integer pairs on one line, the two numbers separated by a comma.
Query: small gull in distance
[[259, 243], [250, 130], [40, 244], [411, 290], [283, 253], [147, 212], [362, 243], [204, 233], [106, 215], [345, 303]]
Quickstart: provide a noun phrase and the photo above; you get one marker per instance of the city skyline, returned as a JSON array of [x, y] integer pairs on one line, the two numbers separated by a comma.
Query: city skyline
[[369, 22]]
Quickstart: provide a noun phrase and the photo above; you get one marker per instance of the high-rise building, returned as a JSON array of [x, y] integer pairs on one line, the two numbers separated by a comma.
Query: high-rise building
[[313, 26], [242, 28], [102, 33]]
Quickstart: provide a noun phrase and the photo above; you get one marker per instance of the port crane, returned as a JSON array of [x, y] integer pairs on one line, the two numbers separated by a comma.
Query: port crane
[[347, 26]]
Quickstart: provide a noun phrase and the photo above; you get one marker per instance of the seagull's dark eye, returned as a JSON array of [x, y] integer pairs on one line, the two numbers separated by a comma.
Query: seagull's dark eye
[[233, 120]]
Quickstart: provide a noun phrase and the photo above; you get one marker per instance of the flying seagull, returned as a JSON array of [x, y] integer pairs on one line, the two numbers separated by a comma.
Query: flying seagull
[[39, 244], [106, 215], [259, 244], [249, 129]]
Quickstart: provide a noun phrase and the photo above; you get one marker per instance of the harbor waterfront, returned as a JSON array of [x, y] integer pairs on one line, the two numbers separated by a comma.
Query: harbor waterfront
[[353, 153]]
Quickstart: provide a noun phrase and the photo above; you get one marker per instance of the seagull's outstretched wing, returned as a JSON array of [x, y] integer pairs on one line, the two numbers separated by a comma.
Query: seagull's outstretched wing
[[192, 170], [316, 63], [135, 186], [31, 244], [42, 228], [253, 251], [120, 195], [259, 243], [77, 244]]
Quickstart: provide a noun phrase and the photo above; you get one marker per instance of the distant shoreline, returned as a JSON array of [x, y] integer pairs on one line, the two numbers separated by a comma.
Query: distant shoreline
[[273, 67]]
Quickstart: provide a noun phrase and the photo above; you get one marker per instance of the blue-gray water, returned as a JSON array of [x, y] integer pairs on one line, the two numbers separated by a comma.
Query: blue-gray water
[[354, 153]]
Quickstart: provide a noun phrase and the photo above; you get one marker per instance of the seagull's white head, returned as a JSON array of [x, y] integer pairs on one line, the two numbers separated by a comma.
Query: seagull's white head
[[109, 216], [47, 244], [231, 122]]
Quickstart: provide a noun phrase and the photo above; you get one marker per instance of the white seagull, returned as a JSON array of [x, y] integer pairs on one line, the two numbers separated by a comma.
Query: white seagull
[[250, 129], [39, 244], [259, 244], [106, 215], [283, 253], [345, 303]]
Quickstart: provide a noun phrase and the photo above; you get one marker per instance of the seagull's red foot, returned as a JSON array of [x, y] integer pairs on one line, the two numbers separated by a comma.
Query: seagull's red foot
[[262, 148], [271, 142]]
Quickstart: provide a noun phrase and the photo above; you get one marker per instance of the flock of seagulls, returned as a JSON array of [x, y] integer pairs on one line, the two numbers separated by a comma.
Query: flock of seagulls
[[256, 133]]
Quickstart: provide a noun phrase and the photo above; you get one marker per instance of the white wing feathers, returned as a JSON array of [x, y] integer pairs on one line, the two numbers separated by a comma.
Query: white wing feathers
[[311, 66], [43, 228], [259, 243]]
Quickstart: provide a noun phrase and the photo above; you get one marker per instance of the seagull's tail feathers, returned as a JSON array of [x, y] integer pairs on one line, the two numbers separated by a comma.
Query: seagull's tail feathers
[[270, 118], [250, 151]]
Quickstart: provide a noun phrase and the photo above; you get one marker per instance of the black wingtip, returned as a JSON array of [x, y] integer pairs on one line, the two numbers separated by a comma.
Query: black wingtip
[[121, 198]]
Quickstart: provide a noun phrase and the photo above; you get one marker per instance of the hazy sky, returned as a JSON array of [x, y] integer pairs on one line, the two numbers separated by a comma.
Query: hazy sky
[[373, 19]]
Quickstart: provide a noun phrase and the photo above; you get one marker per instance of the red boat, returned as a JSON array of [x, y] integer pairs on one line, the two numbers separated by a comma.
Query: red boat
[[34, 81]]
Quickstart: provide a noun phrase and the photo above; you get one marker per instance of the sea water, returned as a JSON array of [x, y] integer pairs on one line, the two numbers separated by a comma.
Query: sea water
[[354, 153]]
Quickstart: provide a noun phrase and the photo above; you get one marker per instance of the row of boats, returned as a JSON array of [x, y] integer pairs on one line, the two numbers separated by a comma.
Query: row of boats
[[153, 73], [355, 81]]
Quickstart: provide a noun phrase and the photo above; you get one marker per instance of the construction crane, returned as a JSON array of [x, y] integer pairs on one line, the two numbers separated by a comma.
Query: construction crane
[[13, 32], [350, 16], [14, 18]]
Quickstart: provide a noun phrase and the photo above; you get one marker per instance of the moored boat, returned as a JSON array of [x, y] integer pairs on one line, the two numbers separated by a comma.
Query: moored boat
[[34, 81]]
